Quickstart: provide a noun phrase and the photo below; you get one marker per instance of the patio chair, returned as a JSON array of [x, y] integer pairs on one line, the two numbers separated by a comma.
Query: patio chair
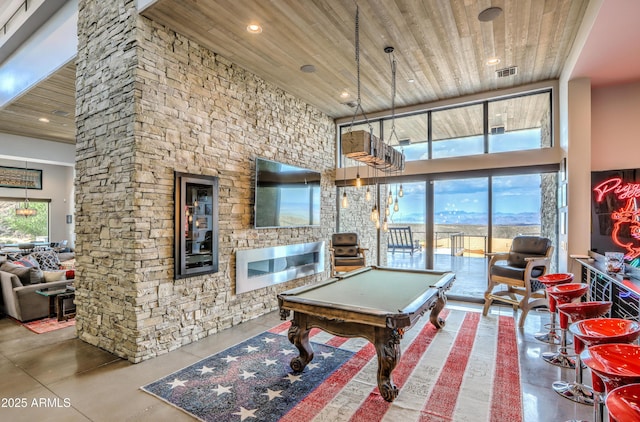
[[512, 276]]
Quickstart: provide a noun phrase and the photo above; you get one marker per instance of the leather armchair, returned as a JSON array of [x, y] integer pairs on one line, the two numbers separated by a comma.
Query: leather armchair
[[512, 276], [346, 253]]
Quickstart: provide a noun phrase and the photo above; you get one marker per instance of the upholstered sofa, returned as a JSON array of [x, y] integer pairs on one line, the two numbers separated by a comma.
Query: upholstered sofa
[[19, 297]]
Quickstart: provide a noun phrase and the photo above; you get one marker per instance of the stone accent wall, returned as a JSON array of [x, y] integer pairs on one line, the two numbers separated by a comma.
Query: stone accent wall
[[151, 102], [107, 235], [549, 213], [356, 219]]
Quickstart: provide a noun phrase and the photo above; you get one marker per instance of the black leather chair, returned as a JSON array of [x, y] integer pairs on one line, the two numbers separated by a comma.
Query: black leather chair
[[346, 253], [513, 275]]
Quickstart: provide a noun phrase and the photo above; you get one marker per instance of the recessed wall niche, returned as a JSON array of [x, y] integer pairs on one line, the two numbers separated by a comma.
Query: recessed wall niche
[[196, 224]]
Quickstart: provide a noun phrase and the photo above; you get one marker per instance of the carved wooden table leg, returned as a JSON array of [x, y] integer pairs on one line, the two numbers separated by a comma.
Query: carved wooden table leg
[[387, 345], [299, 336], [435, 312]]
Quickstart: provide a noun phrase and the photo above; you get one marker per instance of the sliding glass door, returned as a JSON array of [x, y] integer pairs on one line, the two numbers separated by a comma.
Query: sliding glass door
[[517, 206], [460, 230], [407, 226]]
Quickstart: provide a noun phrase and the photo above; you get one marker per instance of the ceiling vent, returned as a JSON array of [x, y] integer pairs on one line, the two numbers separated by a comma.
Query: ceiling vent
[[497, 130], [404, 142], [351, 104], [507, 71], [60, 113]]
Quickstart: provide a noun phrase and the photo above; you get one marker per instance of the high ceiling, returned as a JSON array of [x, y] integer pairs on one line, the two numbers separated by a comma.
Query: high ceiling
[[441, 45]]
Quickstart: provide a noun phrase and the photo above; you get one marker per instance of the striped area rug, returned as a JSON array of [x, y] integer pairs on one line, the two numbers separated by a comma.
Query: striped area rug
[[468, 371]]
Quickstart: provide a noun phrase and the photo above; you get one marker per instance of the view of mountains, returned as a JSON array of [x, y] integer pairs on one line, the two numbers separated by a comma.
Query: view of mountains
[[472, 218]]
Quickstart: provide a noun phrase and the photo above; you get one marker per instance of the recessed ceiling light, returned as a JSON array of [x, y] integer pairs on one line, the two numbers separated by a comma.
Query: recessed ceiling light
[[308, 68], [493, 61], [487, 15], [344, 94], [411, 80], [43, 120], [254, 28]]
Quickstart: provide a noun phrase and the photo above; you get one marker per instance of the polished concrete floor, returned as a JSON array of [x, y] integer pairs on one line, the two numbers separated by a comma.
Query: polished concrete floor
[[56, 377]]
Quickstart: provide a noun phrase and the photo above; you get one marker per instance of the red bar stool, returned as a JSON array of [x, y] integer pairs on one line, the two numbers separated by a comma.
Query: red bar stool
[[550, 280], [600, 331], [564, 293], [576, 391], [623, 403], [615, 364]]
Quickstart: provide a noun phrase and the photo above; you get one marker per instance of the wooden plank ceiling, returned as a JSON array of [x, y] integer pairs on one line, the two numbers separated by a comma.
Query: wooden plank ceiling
[[441, 46], [52, 99]]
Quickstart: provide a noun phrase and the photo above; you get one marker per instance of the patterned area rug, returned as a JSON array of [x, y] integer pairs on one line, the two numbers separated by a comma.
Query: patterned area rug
[[468, 371], [46, 325]]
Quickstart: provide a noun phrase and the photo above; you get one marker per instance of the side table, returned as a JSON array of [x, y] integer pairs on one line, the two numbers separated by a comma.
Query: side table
[[59, 300]]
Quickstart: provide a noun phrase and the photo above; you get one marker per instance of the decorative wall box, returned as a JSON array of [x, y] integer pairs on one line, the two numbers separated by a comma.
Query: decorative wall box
[[196, 225]]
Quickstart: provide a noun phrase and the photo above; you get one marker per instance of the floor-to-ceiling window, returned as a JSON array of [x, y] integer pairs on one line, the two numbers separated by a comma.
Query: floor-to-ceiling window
[[456, 216]]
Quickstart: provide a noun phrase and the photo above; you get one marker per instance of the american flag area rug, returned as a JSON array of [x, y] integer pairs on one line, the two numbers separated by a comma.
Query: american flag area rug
[[466, 371]]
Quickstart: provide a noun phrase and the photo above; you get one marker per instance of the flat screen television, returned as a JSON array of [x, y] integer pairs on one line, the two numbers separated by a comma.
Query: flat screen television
[[286, 195], [615, 213]]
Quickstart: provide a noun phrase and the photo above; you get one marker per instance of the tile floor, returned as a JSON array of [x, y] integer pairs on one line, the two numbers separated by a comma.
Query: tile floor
[[84, 383]]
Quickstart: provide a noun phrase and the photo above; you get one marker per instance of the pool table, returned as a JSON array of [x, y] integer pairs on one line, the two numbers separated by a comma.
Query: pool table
[[376, 303]]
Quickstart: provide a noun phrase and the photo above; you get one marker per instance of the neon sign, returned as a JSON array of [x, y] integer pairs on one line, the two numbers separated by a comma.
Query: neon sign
[[623, 191], [628, 215]]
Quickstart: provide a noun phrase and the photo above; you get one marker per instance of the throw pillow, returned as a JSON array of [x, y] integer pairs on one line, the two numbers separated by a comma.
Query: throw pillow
[[36, 275], [26, 275], [48, 260], [69, 264], [19, 270], [50, 276], [32, 260], [27, 261]]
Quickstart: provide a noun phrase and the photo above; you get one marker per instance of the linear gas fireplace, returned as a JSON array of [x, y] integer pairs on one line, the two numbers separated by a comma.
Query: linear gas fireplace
[[258, 268]]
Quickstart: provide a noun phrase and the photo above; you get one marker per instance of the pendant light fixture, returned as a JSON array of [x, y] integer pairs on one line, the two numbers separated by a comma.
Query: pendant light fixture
[[394, 65], [345, 201], [24, 210]]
